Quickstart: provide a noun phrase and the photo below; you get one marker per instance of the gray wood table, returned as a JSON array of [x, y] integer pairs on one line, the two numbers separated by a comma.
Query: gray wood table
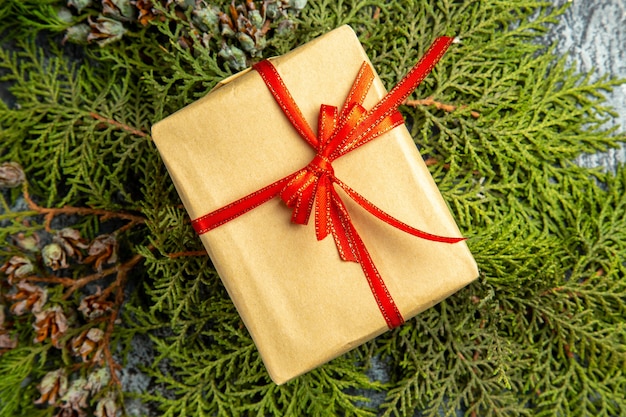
[[593, 34]]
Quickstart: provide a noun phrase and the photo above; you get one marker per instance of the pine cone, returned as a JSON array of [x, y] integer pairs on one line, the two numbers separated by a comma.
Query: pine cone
[[71, 242], [54, 256], [121, 10], [107, 406], [29, 297], [11, 175], [53, 385], [6, 341], [75, 400], [98, 379], [105, 30], [17, 267], [87, 342], [50, 322], [93, 306], [146, 13], [79, 4], [103, 250]]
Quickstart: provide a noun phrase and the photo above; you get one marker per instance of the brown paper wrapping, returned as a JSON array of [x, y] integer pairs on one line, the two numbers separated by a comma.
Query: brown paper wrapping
[[302, 305]]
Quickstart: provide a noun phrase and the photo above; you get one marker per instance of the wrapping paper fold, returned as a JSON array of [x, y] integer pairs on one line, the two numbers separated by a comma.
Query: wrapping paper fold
[[301, 303]]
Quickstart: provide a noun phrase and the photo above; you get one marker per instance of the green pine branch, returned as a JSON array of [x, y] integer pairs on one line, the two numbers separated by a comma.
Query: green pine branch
[[81, 118]]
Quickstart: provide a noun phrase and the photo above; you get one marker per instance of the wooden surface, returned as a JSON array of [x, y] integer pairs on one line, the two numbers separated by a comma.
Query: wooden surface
[[593, 34]]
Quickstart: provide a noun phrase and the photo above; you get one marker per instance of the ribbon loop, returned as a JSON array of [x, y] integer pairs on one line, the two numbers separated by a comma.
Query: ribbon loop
[[339, 132]]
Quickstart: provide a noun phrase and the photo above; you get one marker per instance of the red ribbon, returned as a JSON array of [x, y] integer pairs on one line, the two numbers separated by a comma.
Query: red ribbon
[[338, 133]]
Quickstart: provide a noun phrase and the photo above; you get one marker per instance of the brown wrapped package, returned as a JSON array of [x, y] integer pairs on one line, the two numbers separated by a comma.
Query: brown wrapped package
[[301, 303]]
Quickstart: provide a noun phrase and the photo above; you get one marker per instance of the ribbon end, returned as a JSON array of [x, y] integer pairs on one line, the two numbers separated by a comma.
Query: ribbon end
[[348, 257]]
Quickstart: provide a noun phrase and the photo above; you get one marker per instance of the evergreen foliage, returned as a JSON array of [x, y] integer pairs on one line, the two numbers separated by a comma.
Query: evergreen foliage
[[542, 332]]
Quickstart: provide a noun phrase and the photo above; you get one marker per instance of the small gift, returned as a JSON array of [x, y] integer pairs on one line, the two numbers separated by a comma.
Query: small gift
[[313, 202]]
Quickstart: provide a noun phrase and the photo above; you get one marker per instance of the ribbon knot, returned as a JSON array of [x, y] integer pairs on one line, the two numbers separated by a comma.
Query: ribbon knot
[[312, 187], [320, 165], [304, 192]]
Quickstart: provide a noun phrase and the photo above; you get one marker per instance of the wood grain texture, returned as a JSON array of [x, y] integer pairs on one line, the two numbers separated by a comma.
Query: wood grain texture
[[593, 34]]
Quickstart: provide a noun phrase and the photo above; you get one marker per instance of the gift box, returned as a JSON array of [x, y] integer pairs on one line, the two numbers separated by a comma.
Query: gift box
[[303, 300]]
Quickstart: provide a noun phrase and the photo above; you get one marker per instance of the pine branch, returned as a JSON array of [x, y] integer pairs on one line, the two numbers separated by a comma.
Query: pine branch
[[118, 125], [429, 101], [118, 286], [104, 215], [187, 253]]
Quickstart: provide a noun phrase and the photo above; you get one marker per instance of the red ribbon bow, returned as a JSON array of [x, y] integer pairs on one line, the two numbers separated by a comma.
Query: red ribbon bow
[[338, 133]]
